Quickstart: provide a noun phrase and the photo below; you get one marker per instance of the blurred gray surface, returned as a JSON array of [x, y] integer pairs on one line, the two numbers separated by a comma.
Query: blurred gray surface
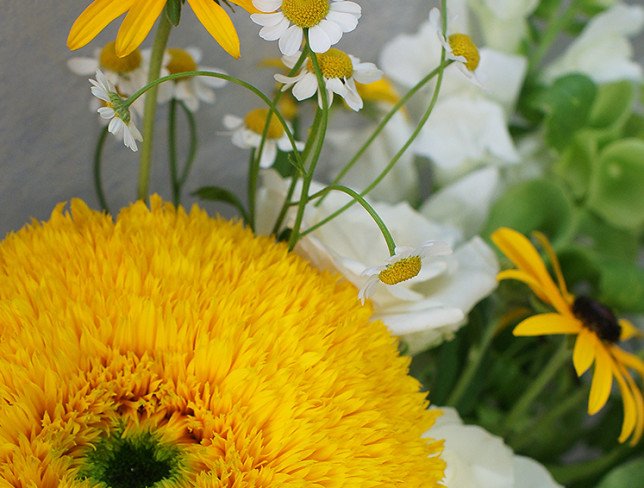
[[48, 134]]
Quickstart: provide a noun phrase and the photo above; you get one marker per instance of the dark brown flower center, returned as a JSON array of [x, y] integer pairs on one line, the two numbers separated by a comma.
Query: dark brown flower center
[[598, 318]]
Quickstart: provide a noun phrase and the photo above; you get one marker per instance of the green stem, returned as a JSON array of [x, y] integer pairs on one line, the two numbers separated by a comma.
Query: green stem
[[172, 151], [397, 156], [150, 106], [98, 157], [474, 358], [187, 74], [313, 150], [534, 390], [253, 172], [285, 205], [391, 245], [556, 22]]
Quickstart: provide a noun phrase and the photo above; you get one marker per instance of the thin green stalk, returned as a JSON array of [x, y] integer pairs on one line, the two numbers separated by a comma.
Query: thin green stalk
[[98, 157], [287, 200], [172, 150], [253, 173], [187, 74], [192, 148], [313, 150], [555, 23], [534, 390], [391, 245], [474, 358], [397, 156], [150, 106]]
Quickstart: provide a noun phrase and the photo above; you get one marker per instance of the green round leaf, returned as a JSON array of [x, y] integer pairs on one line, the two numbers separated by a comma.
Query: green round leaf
[[627, 475], [576, 164]]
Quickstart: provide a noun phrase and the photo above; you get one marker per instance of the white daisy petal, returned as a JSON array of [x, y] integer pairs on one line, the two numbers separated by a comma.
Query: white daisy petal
[[267, 20], [232, 122], [332, 30], [274, 32], [366, 73], [291, 41], [106, 112], [347, 22], [306, 87], [347, 7], [268, 154], [83, 66], [319, 40], [267, 5]]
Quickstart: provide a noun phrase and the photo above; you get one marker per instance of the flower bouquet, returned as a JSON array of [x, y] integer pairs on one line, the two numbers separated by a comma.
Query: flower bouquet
[[431, 276]]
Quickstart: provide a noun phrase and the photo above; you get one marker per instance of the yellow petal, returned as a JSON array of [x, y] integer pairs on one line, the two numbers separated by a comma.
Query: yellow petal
[[628, 330], [545, 324], [584, 353], [545, 243], [94, 19], [633, 405], [629, 360], [602, 381], [246, 5], [137, 25], [218, 24], [523, 254]]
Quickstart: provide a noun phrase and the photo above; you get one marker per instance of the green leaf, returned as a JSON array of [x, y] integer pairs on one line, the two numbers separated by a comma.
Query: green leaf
[[621, 284], [616, 188], [218, 194], [603, 239], [576, 164], [173, 11], [567, 104], [533, 205], [613, 105], [627, 475]]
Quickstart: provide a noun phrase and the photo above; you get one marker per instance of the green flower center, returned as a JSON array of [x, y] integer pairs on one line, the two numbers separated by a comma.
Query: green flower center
[[334, 64], [402, 270], [305, 13], [111, 62], [463, 45], [132, 462]]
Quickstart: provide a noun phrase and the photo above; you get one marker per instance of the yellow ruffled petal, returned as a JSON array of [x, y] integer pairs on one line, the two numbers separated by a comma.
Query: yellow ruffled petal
[[602, 381], [137, 25], [523, 254], [94, 19], [218, 24], [584, 352], [546, 324], [628, 330]]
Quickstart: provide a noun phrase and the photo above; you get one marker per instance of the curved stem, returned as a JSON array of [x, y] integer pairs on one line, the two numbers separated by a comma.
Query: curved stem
[[534, 390], [150, 106], [232, 79], [98, 182]]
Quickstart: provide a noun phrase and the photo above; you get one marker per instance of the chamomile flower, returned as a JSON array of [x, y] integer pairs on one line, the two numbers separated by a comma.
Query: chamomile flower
[[194, 89], [458, 47], [285, 21], [340, 72], [247, 134], [405, 264], [121, 122]]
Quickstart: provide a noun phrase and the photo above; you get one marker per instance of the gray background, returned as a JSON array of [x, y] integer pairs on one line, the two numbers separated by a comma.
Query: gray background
[[48, 134]]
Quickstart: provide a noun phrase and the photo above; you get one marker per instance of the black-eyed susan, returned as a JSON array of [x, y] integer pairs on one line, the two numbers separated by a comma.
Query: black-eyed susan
[[189, 351], [597, 329], [141, 15]]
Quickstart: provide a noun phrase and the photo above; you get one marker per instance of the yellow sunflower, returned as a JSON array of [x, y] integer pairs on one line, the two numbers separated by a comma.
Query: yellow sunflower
[[598, 330], [141, 15], [170, 349]]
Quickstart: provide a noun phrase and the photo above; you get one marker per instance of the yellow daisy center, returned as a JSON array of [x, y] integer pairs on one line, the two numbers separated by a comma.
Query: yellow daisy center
[[462, 45], [334, 64], [305, 13], [255, 120], [402, 270], [180, 61], [111, 62]]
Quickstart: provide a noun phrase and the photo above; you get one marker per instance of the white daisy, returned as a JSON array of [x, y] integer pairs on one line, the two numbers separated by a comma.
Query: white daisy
[[405, 264], [340, 72], [459, 47], [247, 134], [121, 122], [189, 90], [127, 74], [326, 21]]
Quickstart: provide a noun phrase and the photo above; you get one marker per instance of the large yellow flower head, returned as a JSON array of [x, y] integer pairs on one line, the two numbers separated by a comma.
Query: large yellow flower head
[[141, 15], [170, 349]]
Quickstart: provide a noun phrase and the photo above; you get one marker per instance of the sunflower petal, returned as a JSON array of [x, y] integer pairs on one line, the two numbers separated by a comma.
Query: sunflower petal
[[629, 360], [218, 24], [628, 330], [137, 25], [602, 381], [584, 353], [247, 5], [94, 19], [524, 256], [632, 415], [545, 324]]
